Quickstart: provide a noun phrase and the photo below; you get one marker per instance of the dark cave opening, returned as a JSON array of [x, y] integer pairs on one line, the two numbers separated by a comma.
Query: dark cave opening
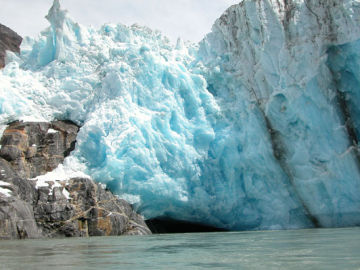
[[167, 225]]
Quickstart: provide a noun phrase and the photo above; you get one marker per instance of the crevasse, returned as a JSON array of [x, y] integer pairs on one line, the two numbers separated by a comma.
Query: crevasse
[[254, 128]]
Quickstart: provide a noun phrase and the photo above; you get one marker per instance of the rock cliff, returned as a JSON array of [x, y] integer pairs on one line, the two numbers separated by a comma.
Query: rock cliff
[[73, 207], [10, 41]]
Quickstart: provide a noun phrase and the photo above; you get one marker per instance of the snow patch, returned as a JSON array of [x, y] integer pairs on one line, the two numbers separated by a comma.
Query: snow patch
[[31, 118], [102, 185], [2, 183], [61, 173], [5, 191], [60, 176], [51, 131], [2, 127], [66, 194]]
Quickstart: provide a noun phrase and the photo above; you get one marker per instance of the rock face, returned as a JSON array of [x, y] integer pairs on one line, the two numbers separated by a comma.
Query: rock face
[[16, 200], [9, 40], [90, 211], [37, 148], [77, 207]]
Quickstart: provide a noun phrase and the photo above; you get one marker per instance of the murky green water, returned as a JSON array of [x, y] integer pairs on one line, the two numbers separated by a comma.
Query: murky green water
[[301, 249]]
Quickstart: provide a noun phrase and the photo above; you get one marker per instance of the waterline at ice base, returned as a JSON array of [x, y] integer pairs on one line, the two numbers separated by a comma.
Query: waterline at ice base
[[256, 127]]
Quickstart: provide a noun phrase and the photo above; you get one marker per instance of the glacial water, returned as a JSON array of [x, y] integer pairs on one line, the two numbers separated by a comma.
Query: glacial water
[[298, 249]]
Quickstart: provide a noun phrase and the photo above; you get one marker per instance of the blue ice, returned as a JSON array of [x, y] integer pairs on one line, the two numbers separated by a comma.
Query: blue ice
[[254, 128]]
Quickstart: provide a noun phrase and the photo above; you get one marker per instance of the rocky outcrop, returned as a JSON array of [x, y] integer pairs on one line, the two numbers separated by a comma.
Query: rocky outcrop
[[9, 40], [75, 207], [37, 148], [90, 211], [16, 205]]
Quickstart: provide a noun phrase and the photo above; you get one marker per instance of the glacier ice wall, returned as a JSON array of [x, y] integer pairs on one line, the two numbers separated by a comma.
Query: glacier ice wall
[[296, 63], [254, 128]]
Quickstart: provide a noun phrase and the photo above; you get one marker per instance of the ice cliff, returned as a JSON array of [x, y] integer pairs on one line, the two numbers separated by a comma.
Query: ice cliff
[[256, 127]]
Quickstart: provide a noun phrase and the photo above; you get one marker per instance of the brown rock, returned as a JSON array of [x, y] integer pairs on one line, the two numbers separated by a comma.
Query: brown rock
[[37, 148], [9, 40], [28, 150], [90, 211]]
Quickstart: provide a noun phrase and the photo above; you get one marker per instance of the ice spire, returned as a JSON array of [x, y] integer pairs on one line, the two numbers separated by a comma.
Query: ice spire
[[56, 17], [62, 35], [179, 44]]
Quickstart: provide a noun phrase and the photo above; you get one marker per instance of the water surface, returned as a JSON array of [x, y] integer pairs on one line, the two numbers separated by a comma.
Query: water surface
[[300, 249]]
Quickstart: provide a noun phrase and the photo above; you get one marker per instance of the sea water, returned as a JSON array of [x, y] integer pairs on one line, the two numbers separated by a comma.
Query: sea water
[[299, 249]]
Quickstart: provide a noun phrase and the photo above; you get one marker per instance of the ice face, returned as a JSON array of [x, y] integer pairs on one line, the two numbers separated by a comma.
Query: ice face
[[254, 128], [297, 64]]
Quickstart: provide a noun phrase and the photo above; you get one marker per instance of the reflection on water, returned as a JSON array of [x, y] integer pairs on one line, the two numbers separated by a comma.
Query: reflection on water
[[301, 249]]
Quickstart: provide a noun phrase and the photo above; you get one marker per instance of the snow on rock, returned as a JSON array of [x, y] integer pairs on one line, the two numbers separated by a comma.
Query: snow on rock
[[66, 194], [50, 130], [59, 176], [254, 128], [4, 190], [2, 183]]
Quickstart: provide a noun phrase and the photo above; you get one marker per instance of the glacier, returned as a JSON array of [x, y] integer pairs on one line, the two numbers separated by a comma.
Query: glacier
[[256, 127]]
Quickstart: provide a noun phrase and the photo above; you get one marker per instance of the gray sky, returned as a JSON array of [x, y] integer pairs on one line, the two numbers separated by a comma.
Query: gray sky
[[189, 19]]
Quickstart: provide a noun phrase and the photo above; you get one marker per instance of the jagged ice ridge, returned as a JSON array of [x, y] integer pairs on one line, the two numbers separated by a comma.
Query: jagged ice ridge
[[256, 127]]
